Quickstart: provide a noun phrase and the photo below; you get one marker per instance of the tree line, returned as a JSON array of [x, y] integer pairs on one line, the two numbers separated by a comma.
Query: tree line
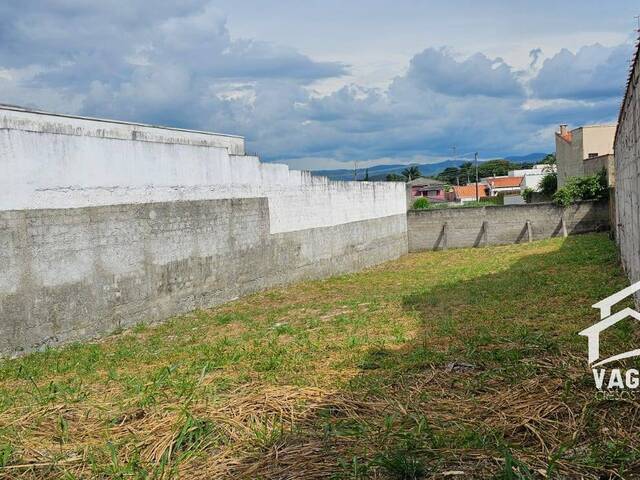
[[466, 172]]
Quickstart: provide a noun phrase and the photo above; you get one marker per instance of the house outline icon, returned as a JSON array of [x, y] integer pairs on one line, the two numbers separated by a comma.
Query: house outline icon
[[607, 320]]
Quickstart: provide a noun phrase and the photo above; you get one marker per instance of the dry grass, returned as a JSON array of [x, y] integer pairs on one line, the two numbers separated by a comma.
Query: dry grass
[[456, 364]]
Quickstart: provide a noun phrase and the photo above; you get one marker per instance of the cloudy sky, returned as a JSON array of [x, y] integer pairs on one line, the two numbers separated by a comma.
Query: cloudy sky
[[324, 83]]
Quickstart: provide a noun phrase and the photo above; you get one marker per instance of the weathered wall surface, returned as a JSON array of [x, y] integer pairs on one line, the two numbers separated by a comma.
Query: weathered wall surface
[[569, 157], [71, 274], [475, 227], [106, 224], [51, 161], [627, 159], [594, 165], [585, 141]]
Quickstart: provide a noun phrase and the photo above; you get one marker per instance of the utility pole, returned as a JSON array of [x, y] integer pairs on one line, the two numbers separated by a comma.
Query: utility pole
[[477, 192], [454, 159]]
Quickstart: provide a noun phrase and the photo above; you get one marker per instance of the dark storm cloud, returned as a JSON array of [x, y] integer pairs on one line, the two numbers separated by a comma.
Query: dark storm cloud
[[177, 63]]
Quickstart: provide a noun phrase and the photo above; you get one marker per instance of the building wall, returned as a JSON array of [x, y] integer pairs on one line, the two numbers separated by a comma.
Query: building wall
[[494, 192], [585, 140], [592, 166], [568, 157], [433, 194], [106, 224], [474, 227], [73, 274], [15, 118], [513, 200], [535, 170], [532, 180], [627, 190], [598, 139], [532, 176], [62, 162]]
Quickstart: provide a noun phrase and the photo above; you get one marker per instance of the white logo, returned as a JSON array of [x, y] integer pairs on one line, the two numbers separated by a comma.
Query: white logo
[[616, 379]]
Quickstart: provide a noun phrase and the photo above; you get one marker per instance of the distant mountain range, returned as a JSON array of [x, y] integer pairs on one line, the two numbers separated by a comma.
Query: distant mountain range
[[379, 172]]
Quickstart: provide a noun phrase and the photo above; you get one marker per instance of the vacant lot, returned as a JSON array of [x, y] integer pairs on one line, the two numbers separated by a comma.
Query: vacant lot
[[454, 364]]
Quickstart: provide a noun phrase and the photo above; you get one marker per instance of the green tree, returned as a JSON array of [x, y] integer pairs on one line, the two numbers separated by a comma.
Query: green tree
[[411, 173], [548, 184], [366, 175], [467, 173], [494, 168], [466, 165], [394, 177], [449, 175], [549, 159]]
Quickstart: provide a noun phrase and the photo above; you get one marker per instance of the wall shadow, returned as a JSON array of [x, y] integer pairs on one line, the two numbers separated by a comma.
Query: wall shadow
[[496, 380]]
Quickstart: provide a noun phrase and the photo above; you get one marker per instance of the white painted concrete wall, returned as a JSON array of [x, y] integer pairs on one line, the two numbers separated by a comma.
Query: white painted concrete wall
[[532, 176], [532, 181], [51, 161], [16, 118]]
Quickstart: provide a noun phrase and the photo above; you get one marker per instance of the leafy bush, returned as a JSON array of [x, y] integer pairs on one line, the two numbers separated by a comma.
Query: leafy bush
[[497, 200], [549, 184], [527, 194], [591, 187], [422, 203]]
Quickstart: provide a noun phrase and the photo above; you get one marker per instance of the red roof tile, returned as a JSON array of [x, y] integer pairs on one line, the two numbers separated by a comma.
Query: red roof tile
[[469, 191], [504, 182]]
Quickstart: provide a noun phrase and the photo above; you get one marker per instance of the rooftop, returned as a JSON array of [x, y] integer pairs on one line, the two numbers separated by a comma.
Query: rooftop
[[469, 191], [568, 136], [504, 182], [425, 182]]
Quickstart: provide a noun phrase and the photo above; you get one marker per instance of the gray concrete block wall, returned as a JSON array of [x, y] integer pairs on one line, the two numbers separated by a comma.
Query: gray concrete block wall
[[627, 187], [493, 225], [74, 274]]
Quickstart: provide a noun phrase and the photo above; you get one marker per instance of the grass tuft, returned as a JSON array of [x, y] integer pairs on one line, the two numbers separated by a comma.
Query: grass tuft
[[462, 363]]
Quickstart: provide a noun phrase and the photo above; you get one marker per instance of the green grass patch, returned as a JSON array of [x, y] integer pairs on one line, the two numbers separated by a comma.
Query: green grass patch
[[460, 360]]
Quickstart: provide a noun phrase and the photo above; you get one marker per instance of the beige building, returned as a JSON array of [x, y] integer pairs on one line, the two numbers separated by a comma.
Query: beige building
[[595, 164], [583, 143]]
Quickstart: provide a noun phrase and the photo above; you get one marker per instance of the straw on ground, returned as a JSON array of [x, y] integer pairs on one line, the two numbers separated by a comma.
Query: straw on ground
[[454, 364]]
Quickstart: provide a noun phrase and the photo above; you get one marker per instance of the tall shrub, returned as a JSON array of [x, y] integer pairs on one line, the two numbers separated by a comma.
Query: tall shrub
[[421, 203], [590, 187], [548, 184]]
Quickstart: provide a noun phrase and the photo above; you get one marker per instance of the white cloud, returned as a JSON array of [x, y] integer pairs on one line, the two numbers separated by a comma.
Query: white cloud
[[438, 70], [593, 72], [178, 64]]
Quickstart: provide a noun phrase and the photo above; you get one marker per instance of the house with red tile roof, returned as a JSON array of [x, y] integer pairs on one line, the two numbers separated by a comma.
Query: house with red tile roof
[[467, 193], [504, 185]]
